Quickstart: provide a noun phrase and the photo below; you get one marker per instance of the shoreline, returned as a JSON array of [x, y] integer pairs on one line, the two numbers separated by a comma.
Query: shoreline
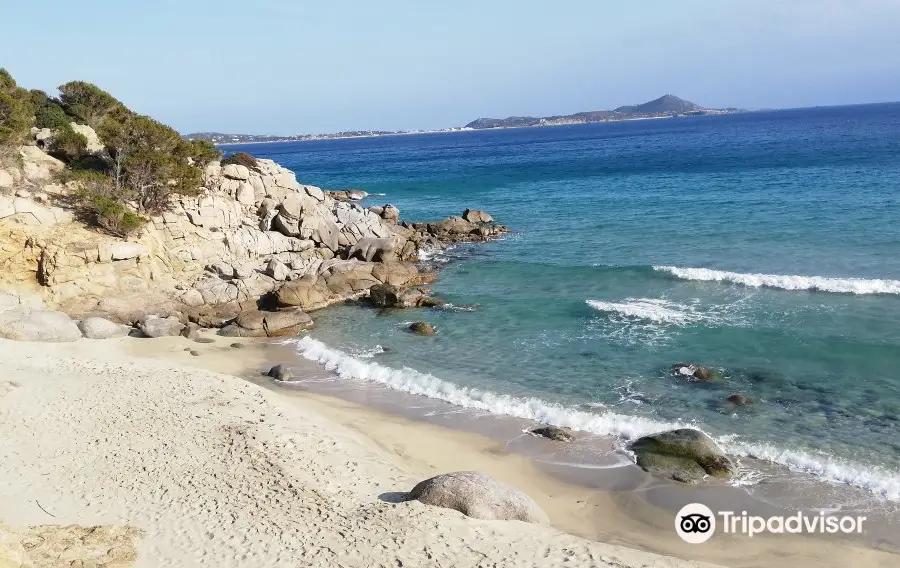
[[189, 453], [593, 463]]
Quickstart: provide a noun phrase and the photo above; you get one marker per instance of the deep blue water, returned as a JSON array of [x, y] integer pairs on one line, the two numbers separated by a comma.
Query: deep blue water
[[575, 325]]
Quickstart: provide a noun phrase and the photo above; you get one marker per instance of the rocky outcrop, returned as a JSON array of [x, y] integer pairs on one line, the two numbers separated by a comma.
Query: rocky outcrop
[[348, 194], [38, 166], [372, 249], [336, 281], [391, 297], [255, 323], [251, 234], [684, 455], [479, 496]]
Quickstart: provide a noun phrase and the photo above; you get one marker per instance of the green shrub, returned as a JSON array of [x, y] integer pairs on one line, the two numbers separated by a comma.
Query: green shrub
[[116, 217], [242, 159], [51, 115], [68, 145], [99, 203], [15, 119], [7, 83], [151, 161], [90, 104]]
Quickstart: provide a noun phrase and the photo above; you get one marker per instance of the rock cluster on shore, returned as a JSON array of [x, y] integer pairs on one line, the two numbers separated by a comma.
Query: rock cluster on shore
[[255, 238]]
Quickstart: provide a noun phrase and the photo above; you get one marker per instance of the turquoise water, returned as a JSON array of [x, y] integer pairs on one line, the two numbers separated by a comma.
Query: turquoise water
[[764, 245]]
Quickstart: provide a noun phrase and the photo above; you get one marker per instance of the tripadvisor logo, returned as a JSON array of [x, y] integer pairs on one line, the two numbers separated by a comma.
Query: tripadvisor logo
[[696, 523]]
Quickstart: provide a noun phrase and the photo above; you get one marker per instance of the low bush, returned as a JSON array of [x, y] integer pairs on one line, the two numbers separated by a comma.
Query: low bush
[[68, 145], [242, 159], [97, 201]]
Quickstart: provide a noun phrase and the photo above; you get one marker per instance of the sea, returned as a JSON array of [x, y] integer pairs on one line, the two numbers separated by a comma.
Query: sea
[[764, 245]]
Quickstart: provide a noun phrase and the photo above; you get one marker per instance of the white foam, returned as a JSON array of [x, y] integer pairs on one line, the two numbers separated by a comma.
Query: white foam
[[659, 311], [423, 384], [787, 281], [435, 254], [881, 482]]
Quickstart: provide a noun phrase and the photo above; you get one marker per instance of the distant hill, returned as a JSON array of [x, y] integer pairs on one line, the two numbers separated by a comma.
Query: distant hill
[[663, 107]]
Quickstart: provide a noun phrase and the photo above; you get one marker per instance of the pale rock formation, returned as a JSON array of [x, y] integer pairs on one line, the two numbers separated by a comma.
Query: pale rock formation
[[27, 324], [480, 496], [370, 249], [477, 216], [38, 166], [277, 270], [255, 323], [236, 171], [244, 222], [99, 328], [155, 326], [93, 141]]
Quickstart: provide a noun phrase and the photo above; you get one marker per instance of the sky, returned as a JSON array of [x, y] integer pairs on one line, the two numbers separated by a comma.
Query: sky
[[299, 66]]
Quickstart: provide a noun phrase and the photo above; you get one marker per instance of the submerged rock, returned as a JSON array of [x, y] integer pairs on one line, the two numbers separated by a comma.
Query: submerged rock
[[685, 455], [693, 371], [480, 496], [739, 400], [553, 433], [422, 328]]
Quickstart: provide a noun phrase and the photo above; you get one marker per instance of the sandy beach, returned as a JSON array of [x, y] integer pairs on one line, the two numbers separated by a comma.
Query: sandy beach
[[214, 470]]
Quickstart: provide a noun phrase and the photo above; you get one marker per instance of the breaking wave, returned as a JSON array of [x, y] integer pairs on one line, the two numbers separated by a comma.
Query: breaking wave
[[882, 483], [787, 281]]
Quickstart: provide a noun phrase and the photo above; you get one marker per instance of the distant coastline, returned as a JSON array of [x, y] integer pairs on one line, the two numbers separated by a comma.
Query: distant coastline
[[666, 106]]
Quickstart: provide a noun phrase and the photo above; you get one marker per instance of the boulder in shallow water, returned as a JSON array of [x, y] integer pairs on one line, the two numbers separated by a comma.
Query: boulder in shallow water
[[477, 216], [422, 328], [685, 455], [690, 370], [480, 496], [739, 400], [280, 373], [553, 433]]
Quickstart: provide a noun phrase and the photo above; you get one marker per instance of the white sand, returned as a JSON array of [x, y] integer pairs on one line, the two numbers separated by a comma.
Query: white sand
[[220, 472]]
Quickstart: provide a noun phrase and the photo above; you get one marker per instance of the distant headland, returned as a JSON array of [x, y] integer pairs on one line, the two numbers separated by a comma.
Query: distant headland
[[666, 106]]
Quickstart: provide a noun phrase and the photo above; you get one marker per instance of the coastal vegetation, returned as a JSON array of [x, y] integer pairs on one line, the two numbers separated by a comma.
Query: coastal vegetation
[[132, 169]]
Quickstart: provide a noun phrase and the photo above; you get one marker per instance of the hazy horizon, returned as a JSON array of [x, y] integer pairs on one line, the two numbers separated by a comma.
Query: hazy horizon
[[287, 68]]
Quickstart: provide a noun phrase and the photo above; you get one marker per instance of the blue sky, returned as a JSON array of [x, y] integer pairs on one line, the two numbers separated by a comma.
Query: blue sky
[[298, 66]]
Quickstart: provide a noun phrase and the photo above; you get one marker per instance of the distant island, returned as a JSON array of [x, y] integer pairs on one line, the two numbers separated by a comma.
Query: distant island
[[666, 106]]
